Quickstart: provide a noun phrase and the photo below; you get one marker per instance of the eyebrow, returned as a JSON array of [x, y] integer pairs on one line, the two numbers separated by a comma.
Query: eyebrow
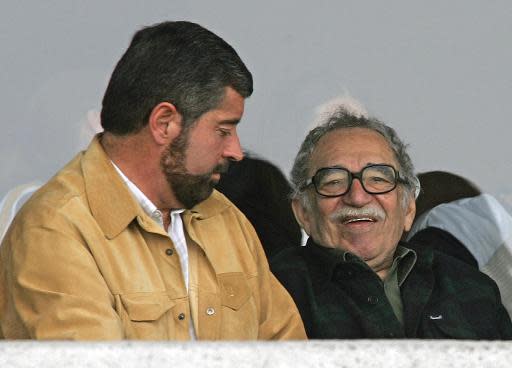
[[366, 165], [230, 121]]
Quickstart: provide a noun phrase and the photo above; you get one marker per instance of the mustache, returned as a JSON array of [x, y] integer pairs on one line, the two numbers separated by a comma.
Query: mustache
[[347, 213], [221, 168]]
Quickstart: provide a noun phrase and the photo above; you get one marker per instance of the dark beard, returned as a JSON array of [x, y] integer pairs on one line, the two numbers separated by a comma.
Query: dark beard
[[188, 189]]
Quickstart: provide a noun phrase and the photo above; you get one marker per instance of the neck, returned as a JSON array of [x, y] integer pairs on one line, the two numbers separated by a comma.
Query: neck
[[381, 266], [383, 273], [139, 160], [166, 215]]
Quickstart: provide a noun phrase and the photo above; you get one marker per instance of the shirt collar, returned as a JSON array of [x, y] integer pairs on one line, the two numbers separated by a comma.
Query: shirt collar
[[140, 197], [147, 205], [403, 262]]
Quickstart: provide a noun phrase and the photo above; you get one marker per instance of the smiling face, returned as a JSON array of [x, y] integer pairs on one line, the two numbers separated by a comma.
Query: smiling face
[[367, 225], [193, 162]]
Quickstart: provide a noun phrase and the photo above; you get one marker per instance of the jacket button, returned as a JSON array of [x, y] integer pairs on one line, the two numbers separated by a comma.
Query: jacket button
[[372, 300], [210, 311], [169, 252], [181, 316]]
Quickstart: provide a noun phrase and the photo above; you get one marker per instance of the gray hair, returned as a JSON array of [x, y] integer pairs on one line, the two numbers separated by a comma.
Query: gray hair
[[342, 119]]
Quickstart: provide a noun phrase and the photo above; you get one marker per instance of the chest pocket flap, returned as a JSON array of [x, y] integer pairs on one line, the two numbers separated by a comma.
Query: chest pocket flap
[[146, 306], [234, 289]]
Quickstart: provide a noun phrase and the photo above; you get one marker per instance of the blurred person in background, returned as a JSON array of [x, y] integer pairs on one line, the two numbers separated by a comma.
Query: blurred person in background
[[261, 191]]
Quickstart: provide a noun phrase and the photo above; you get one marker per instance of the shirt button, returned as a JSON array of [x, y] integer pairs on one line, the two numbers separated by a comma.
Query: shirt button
[[210, 311], [169, 252], [181, 316], [373, 300]]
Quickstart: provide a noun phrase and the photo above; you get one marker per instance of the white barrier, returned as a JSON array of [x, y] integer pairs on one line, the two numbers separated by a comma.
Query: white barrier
[[327, 353]]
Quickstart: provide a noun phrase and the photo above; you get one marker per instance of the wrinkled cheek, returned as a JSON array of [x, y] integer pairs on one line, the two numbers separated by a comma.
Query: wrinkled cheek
[[398, 227], [327, 234]]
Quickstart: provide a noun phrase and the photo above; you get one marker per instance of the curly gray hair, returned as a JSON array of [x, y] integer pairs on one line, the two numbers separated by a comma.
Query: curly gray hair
[[342, 119]]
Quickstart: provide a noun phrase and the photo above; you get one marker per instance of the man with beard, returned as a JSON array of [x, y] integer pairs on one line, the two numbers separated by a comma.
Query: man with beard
[[355, 195], [129, 240]]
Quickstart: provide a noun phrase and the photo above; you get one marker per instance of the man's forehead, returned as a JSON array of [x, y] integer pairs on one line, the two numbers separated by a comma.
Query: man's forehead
[[229, 110], [352, 144]]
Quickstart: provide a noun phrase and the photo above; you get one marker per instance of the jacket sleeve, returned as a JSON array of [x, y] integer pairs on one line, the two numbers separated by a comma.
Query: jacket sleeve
[[279, 317], [52, 288], [281, 320]]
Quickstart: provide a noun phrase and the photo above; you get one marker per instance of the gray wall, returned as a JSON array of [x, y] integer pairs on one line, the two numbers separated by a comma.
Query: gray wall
[[438, 71]]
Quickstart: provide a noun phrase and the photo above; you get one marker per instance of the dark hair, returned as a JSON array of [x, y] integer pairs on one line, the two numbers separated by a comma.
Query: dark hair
[[260, 190], [178, 62], [442, 187]]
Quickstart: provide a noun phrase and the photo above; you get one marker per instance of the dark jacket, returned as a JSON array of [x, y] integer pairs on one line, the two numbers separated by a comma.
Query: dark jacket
[[442, 297]]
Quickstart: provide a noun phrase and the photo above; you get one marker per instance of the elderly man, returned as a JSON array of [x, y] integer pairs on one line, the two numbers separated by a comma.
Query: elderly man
[[354, 195], [130, 240]]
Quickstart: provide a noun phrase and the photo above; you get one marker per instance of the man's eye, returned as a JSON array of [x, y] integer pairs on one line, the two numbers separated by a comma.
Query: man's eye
[[333, 183], [379, 179], [224, 132]]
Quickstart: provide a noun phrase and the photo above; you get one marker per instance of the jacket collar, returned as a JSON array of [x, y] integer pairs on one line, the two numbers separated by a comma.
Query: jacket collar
[[418, 287], [110, 200], [323, 261], [210, 207]]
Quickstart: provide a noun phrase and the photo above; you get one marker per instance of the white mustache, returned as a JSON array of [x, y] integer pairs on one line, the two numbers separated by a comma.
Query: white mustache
[[347, 213]]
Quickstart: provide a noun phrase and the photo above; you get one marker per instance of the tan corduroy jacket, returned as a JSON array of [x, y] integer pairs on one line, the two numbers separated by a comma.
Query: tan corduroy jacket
[[82, 260]]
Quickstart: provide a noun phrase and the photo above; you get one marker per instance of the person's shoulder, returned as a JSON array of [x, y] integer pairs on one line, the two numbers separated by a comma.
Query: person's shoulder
[[459, 274], [442, 241], [54, 196]]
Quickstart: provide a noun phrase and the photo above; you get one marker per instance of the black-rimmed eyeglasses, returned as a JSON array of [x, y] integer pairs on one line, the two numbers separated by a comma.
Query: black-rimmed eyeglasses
[[336, 181]]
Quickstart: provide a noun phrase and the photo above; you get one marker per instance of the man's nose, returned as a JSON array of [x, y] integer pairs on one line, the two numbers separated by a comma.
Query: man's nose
[[233, 150], [357, 196]]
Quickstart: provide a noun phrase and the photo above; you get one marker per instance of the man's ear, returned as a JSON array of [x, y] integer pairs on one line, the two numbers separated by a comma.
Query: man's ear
[[164, 123], [301, 215], [410, 213]]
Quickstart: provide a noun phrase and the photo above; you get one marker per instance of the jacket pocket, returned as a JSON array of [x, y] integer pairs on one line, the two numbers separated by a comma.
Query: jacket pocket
[[239, 319], [144, 315], [234, 291]]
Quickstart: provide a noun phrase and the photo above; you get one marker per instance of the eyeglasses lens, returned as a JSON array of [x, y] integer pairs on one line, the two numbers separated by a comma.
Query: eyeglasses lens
[[336, 181]]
